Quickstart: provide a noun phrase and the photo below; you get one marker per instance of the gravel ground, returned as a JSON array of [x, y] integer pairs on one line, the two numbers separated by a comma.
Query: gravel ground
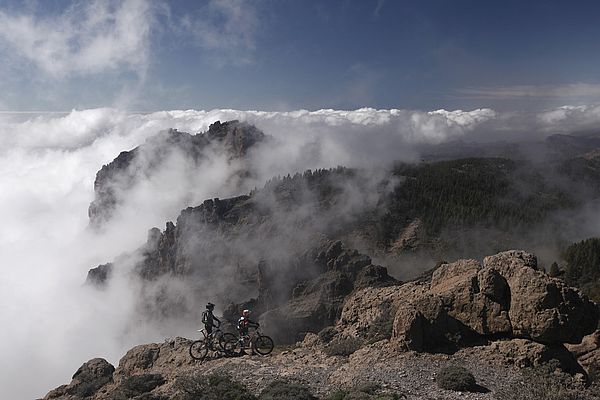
[[408, 373]]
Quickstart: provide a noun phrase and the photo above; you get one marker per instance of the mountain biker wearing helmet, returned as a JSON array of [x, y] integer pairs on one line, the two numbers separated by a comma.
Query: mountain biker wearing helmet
[[245, 322], [208, 318]]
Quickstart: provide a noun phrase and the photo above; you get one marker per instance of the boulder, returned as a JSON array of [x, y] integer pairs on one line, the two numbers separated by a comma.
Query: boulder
[[527, 353], [369, 310], [86, 381], [154, 357], [588, 353], [542, 308], [477, 298], [409, 326], [467, 303]]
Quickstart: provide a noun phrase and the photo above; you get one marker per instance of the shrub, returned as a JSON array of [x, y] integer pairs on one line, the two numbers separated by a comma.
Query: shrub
[[196, 386], [284, 390], [363, 392], [343, 347], [543, 383], [367, 387], [327, 334], [337, 395], [456, 378], [138, 385]]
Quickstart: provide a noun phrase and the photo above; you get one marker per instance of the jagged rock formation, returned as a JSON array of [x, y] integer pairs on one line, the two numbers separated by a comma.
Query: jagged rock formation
[[262, 244], [466, 303], [234, 139]]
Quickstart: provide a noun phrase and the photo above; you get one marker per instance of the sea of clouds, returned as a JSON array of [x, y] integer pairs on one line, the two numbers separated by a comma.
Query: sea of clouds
[[51, 322]]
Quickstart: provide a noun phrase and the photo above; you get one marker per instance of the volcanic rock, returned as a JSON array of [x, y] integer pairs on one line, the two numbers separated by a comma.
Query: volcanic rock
[[527, 353], [588, 353], [317, 302], [232, 138], [542, 308], [465, 303], [88, 380]]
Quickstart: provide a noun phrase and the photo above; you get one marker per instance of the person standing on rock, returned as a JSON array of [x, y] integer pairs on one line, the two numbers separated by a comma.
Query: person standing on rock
[[208, 319]]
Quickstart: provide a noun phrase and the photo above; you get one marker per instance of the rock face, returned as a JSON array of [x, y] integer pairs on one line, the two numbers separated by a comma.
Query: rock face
[[144, 369], [527, 353], [234, 139], [87, 381], [588, 353], [317, 303], [270, 246], [466, 303], [542, 308]]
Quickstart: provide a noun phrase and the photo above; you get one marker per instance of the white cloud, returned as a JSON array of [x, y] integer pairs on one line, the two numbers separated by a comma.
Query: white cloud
[[568, 119], [87, 38]]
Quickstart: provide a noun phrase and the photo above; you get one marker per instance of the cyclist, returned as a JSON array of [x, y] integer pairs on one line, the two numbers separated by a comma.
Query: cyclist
[[208, 319], [243, 324]]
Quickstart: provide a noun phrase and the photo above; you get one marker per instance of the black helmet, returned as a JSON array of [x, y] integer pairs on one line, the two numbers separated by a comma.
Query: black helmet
[[210, 306]]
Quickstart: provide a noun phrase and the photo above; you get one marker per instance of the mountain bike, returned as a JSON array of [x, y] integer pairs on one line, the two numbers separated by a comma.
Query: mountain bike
[[256, 342], [215, 344]]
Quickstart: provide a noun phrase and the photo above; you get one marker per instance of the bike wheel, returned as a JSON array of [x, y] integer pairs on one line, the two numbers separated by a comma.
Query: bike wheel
[[263, 345], [198, 350], [233, 347], [226, 337]]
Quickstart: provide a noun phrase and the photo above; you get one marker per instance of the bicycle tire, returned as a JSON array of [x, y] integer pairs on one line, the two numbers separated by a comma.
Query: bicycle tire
[[198, 350], [226, 337], [263, 345], [233, 347]]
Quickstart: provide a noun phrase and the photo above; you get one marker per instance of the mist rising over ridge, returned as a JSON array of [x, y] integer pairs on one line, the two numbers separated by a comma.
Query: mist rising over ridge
[[50, 162]]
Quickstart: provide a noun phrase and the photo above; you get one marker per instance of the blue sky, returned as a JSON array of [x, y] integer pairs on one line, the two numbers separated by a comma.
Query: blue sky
[[291, 54]]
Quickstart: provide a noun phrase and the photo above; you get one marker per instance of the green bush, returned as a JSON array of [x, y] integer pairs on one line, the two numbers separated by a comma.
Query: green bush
[[196, 386], [456, 378], [583, 266], [343, 347], [284, 390]]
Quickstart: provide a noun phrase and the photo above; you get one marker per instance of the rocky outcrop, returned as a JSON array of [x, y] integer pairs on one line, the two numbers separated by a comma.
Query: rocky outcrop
[[527, 353], [89, 379], [99, 275], [410, 237], [465, 303], [543, 309], [588, 353], [315, 300], [234, 139], [141, 370]]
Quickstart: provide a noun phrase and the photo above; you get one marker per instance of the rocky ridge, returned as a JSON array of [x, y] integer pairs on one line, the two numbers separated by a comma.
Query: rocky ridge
[[232, 138]]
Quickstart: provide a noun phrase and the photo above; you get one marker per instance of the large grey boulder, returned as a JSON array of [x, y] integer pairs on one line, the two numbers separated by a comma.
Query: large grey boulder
[[466, 303]]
